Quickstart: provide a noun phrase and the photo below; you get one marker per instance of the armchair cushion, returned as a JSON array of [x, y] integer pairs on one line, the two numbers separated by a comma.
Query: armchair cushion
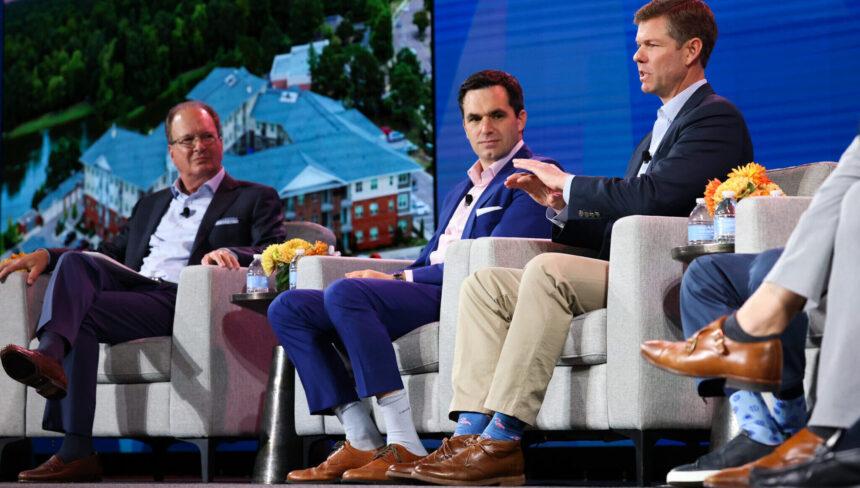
[[802, 180], [139, 361], [418, 350], [586, 341]]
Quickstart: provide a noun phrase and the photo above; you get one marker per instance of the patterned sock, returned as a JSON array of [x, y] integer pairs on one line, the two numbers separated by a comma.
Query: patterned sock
[[471, 423], [360, 430], [790, 415], [504, 428], [754, 417], [52, 345], [75, 447], [398, 420]]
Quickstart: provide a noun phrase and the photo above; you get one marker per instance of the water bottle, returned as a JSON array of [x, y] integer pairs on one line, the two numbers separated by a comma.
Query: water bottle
[[700, 225], [724, 219], [776, 193], [294, 268], [257, 281]]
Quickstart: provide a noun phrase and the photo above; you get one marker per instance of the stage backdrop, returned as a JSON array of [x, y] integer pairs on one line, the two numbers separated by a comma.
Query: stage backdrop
[[791, 66]]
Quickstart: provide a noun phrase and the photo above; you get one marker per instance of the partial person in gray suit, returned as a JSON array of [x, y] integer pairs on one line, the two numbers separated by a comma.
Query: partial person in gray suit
[[820, 259]]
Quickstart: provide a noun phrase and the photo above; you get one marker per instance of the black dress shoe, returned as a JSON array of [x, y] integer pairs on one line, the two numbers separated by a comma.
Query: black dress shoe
[[35, 369], [737, 452], [826, 468]]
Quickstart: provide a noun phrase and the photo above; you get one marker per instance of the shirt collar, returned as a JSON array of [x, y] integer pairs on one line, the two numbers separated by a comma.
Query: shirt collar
[[481, 177], [671, 108], [211, 185]]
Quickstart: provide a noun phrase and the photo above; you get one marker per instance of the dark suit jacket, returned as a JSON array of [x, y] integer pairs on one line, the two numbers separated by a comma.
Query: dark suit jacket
[[518, 216], [257, 209], [706, 140]]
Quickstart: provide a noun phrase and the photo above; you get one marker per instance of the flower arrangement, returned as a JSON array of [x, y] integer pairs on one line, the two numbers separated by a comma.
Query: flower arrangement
[[745, 181], [277, 257]]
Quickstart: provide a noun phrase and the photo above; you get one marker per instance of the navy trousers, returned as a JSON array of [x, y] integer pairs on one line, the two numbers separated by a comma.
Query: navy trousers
[[719, 284], [86, 304], [361, 314]]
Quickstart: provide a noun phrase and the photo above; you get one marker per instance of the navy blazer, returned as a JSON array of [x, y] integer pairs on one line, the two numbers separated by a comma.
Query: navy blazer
[[255, 208], [706, 140], [519, 216]]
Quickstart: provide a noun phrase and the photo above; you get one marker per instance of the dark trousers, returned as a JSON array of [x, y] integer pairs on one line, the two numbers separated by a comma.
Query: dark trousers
[[362, 315], [86, 304], [719, 284]]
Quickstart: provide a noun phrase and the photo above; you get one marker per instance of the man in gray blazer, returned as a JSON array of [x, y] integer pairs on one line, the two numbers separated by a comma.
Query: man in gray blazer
[[819, 259]]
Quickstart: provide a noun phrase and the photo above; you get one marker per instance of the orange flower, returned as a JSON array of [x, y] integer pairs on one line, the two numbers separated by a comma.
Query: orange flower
[[320, 248], [709, 195], [753, 171]]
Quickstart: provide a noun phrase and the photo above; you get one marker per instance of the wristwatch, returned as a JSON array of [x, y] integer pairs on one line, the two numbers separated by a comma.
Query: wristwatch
[[399, 276]]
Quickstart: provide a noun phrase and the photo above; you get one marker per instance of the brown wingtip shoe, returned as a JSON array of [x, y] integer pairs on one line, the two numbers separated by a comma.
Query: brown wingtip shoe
[[484, 462], [450, 447], [54, 470], [796, 449], [35, 369], [343, 458], [709, 353], [374, 471]]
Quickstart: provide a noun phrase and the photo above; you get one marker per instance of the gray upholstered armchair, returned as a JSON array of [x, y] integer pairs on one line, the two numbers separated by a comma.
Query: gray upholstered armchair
[[204, 383], [601, 385]]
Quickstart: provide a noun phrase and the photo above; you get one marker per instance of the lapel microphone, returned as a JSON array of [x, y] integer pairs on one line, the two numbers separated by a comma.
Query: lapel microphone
[[186, 212], [646, 156], [469, 199]]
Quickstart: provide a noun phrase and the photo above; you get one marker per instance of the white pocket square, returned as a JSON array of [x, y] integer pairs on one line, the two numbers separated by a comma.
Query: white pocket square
[[482, 211], [227, 221]]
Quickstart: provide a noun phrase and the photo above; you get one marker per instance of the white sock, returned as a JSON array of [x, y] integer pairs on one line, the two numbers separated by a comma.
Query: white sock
[[398, 420], [360, 430]]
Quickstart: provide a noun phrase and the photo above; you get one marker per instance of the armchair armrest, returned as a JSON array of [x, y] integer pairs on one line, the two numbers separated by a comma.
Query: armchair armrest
[[21, 305], [317, 272], [641, 274], [220, 357], [764, 223]]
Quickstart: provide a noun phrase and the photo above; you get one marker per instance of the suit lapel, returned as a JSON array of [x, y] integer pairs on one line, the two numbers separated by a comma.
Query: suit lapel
[[672, 131], [490, 190], [636, 160], [221, 201]]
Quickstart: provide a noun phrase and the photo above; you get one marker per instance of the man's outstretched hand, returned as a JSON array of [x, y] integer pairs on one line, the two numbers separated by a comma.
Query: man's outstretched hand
[[35, 262], [545, 185]]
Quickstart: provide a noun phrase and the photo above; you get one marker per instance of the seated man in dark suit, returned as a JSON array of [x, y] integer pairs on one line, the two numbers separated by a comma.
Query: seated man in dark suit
[[512, 324], [369, 309], [204, 217]]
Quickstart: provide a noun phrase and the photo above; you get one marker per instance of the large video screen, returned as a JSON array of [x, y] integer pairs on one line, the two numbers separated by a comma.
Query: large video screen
[[790, 66]]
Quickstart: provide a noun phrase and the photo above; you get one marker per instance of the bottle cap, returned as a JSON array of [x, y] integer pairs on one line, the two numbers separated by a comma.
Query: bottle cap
[[258, 256], [728, 194], [776, 193], [300, 252], [700, 201]]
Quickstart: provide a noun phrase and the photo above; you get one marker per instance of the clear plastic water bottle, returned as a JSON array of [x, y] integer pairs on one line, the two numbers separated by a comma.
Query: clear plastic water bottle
[[256, 280], [724, 219], [776, 193], [294, 268], [700, 225]]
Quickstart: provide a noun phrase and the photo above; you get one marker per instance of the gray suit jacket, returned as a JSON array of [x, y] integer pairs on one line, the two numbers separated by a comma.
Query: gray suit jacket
[[804, 266]]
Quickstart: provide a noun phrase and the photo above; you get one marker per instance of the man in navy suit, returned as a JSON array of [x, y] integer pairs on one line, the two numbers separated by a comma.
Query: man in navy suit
[[204, 217], [368, 309], [512, 324]]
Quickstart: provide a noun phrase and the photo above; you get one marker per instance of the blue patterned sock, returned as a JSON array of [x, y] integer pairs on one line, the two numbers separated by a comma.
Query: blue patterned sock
[[504, 428], [754, 417], [790, 415], [471, 423]]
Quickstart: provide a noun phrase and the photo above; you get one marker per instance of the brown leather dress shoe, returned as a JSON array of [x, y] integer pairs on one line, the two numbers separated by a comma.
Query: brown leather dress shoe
[[344, 457], [709, 353], [795, 450], [54, 470], [483, 462], [449, 448], [374, 471], [35, 369]]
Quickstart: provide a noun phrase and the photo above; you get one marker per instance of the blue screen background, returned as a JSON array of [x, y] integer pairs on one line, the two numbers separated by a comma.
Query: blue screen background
[[792, 67]]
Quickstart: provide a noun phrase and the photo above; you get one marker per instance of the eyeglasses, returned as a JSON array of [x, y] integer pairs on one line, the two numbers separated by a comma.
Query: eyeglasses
[[187, 142]]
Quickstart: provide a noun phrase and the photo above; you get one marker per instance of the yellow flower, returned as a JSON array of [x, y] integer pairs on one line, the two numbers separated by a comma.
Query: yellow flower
[[15, 256], [741, 185], [277, 256], [752, 171], [269, 263]]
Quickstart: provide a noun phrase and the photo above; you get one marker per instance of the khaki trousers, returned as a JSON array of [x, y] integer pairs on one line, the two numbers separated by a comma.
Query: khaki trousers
[[511, 327]]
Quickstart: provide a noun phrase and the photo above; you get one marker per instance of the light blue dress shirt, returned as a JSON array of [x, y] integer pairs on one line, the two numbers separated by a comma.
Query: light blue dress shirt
[[170, 244]]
